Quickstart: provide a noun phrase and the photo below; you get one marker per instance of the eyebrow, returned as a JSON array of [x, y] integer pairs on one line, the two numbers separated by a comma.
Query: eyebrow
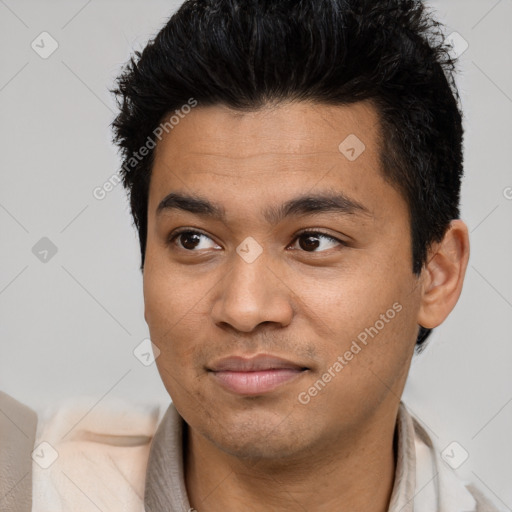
[[303, 205]]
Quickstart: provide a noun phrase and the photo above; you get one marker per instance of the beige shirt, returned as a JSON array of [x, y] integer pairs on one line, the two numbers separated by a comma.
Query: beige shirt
[[423, 481], [114, 456]]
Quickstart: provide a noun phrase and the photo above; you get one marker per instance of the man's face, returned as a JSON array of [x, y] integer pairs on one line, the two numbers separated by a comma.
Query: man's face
[[251, 283]]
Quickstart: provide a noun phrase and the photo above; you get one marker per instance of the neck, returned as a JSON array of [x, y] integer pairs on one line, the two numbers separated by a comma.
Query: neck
[[355, 471]]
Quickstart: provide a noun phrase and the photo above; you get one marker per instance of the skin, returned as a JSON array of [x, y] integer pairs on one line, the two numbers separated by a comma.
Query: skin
[[305, 303]]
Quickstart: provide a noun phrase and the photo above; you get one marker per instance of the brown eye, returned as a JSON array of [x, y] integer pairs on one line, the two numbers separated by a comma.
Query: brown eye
[[310, 241], [190, 240]]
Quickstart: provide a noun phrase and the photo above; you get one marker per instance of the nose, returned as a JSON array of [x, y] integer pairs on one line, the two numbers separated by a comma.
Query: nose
[[252, 294]]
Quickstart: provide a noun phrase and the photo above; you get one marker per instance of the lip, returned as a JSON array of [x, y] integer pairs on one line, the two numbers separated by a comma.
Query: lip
[[255, 375], [255, 363]]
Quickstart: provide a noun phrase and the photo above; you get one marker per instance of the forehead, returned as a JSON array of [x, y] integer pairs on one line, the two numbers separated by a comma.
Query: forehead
[[272, 154], [297, 129]]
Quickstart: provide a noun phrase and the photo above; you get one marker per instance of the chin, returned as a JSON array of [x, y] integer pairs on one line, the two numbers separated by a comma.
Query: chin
[[257, 449], [258, 438]]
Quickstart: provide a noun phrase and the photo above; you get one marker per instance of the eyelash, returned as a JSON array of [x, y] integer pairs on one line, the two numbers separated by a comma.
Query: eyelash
[[173, 236]]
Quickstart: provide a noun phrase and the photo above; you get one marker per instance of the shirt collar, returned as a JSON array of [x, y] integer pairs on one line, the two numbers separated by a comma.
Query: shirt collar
[[165, 482]]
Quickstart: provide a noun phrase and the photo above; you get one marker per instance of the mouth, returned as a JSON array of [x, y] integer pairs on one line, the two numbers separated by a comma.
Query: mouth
[[256, 375]]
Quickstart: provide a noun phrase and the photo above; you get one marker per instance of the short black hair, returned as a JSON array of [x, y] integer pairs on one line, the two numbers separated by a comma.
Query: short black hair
[[245, 54]]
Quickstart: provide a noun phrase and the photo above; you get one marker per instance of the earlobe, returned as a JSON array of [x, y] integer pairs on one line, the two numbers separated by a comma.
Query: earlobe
[[443, 275]]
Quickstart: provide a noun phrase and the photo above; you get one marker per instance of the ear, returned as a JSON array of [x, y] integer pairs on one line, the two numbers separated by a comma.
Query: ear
[[443, 275]]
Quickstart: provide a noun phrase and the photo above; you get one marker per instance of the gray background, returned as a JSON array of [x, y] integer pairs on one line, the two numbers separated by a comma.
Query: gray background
[[69, 326]]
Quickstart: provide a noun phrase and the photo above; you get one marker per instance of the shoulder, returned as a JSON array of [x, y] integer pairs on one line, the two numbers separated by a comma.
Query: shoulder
[[92, 454], [451, 491], [82, 454]]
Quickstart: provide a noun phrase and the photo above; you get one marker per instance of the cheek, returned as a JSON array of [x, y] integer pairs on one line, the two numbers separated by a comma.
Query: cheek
[[177, 311], [346, 300], [173, 318], [375, 310], [166, 307], [169, 293]]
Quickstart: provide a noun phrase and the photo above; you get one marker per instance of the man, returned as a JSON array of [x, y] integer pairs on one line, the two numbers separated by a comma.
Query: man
[[294, 175]]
